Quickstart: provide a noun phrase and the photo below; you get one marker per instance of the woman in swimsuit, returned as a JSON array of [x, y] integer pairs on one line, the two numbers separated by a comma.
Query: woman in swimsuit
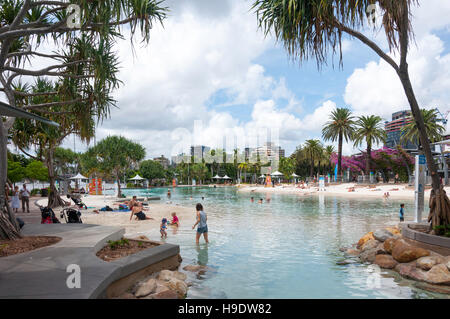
[[138, 212]]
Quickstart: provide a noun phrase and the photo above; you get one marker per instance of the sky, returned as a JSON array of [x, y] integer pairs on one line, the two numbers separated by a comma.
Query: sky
[[211, 75]]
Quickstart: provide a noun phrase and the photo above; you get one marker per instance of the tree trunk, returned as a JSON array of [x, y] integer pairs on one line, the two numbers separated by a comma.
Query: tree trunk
[[9, 228], [54, 200], [340, 155], [119, 194], [368, 157]]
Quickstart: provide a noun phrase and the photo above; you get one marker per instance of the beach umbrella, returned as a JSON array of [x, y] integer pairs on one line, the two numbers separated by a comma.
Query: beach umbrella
[[262, 176], [136, 178], [277, 173], [217, 177], [77, 178], [295, 177], [226, 177]]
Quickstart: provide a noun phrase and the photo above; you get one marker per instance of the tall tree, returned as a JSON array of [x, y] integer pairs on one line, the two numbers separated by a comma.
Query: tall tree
[[80, 68], [410, 131], [313, 149], [115, 154], [312, 29], [369, 129], [341, 126]]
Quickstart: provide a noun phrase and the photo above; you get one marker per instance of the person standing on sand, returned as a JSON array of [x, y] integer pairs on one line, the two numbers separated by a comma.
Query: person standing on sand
[[401, 213], [202, 226]]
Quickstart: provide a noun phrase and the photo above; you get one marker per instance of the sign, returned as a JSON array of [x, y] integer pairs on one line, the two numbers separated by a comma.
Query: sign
[[419, 181]]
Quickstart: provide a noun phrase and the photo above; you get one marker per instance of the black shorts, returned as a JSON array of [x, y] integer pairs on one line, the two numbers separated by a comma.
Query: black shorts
[[140, 216], [402, 219]]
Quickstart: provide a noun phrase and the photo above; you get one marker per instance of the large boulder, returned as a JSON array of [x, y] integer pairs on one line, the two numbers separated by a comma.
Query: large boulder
[[365, 239], [393, 230], [438, 274], [427, 262], [165, 275], [385, 261], [179, 286], [368, 255], [388, 245], [146, 288], [194, 268], [372, 243], [353, 252], [382, 234], [410, 271], [167, 294], [404, 252]]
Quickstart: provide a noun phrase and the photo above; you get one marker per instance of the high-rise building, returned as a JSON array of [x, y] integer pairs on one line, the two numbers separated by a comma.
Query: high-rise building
[[163, 161], [393, 130], [199, 151]]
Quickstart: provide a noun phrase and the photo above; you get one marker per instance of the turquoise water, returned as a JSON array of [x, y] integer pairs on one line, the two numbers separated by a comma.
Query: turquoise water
[[287, 248]]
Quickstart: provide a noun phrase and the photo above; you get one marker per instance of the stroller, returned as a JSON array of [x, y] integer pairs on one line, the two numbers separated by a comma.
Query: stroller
[[77, 201], [48, 216], [71, 216]]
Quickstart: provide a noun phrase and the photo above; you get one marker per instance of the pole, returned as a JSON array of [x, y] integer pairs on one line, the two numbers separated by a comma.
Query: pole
[[419, 181], [444, 165]]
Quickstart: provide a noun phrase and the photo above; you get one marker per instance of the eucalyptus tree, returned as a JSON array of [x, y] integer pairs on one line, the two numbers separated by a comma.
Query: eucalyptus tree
[[341, 126], [314, 29], [82, 69], [369, 129]]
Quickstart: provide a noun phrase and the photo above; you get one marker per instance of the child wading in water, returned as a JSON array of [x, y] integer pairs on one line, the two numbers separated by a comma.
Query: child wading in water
[[175, 221], [202, 226], [163, 227], [402, 212]]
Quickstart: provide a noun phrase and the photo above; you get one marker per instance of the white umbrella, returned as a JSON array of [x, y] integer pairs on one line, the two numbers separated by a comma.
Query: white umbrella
[[277, 173], [79, 176], [262, 176], [136, 178], [226, 177], [217, 177], [294, 175]]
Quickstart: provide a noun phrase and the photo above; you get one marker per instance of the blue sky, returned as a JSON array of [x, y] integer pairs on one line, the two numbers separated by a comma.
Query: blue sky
[[210, 63]]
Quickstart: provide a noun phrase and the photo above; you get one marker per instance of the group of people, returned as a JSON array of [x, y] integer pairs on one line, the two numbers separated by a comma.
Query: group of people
[[18, 196], [260, 201]]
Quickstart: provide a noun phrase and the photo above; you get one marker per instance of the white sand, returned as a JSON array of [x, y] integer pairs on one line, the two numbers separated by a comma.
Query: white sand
[[402, 192], [156, 210]]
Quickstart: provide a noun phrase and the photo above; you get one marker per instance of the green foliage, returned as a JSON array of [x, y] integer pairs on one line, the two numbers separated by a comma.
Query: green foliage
[[287, 166], [443, 230], [151, 170], [114, 244], [66, 160], [433, 129], [16, 172], [37, 171]]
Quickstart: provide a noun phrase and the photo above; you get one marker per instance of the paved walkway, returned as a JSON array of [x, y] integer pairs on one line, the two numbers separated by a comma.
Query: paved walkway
[[34, 216]]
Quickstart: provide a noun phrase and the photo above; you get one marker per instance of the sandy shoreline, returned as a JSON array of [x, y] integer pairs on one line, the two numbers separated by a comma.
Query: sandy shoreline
[[156, 209], [399, 191]]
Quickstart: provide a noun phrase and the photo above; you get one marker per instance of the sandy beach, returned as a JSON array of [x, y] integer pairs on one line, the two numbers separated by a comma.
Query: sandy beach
[[156, 209], [400, 191]]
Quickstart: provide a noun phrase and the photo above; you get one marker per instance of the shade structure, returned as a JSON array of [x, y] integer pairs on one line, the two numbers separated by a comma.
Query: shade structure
[[79, 177], [226, 177], [217, 177], [277, 173], [137, 178], [8, 110], [294, 175], [262, 176]]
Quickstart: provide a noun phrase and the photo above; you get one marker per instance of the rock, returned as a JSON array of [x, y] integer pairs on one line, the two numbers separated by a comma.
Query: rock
[[167, 294], [393, 230], [165, 275], [381, 250], [388, 245], [410, 271], [448, 264], [365, 239], [372, 243], [385, 261], [179, 275], [403, 252], [142, 237], [179, 286], [382, 234], [426, 263], [368, 255], [126, 295], [352, 252], [345, 262], [161, 286], [194, 268], [433, 288], [147, 288], [438, 274]]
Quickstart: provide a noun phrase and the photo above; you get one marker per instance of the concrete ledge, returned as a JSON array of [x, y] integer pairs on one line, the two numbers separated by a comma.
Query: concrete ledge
[[42, 273], [431, 240]]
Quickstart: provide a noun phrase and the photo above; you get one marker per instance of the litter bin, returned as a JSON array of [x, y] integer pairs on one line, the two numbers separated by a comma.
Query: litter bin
[[44, 192]]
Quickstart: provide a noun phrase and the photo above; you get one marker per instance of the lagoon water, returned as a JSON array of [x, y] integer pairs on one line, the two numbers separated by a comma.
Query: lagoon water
[[288, 248]]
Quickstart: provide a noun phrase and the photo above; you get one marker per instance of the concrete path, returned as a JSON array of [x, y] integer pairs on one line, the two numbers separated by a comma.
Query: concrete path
[[42, 273]]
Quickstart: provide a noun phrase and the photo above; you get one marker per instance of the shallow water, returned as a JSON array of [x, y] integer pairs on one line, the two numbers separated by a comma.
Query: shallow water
[[287, 248]]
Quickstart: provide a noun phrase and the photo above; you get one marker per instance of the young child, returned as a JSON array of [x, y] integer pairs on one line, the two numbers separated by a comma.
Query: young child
[[402, 212], [163, 228], [175, 221]]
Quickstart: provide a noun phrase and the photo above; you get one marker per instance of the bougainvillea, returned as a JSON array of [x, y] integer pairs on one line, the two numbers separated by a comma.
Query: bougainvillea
[[385, 160]]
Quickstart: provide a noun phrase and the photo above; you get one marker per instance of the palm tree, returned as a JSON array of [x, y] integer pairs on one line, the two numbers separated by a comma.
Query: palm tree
[[341, 126], [313, 149], [434, 130], [369, 129], [242, 167], [313, 29], [328, 152]]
